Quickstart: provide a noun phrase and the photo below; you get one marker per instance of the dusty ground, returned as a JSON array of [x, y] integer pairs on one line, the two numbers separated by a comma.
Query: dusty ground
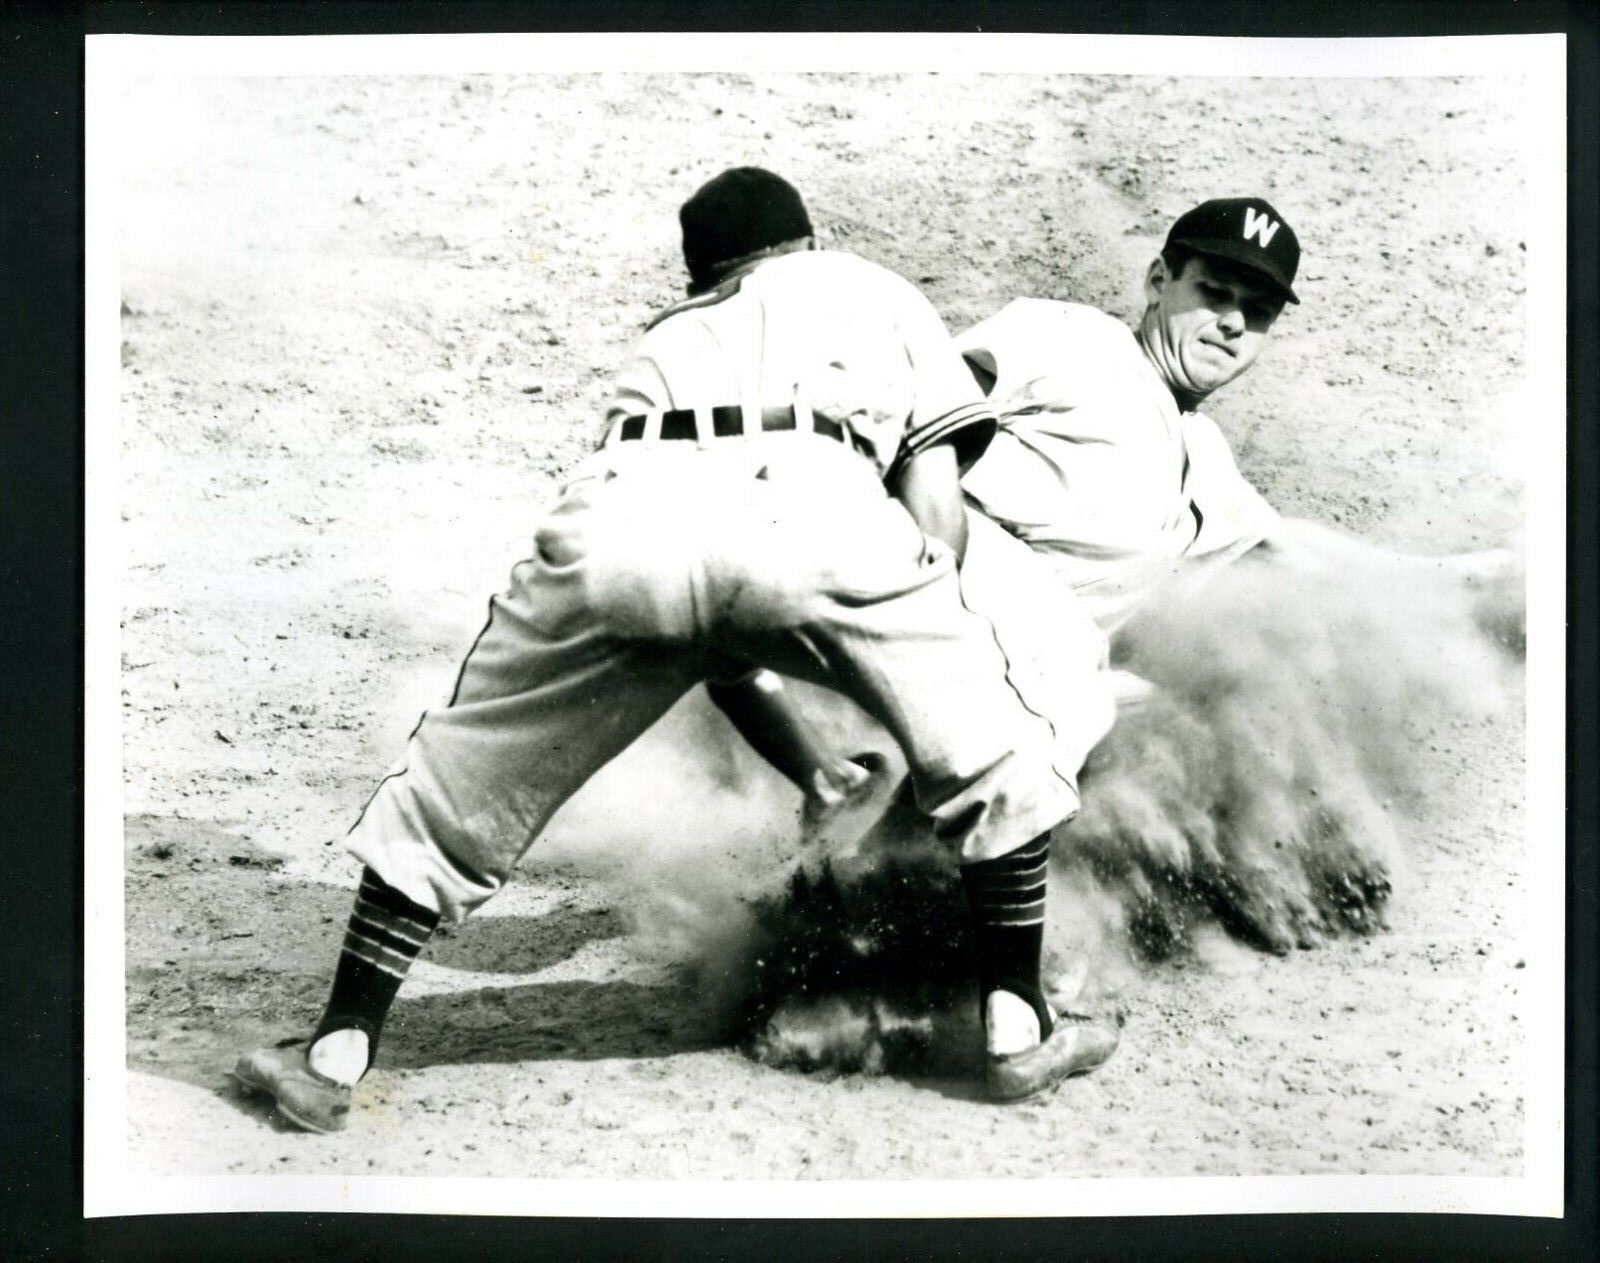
[[367, 323]]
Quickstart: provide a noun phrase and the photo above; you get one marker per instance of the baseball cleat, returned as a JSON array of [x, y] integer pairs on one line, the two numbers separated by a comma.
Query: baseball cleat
[[1076, 1046], [307, 1099]]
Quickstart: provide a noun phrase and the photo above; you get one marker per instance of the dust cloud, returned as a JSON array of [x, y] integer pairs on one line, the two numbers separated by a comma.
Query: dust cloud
[[1291, 740], [1266, 788]]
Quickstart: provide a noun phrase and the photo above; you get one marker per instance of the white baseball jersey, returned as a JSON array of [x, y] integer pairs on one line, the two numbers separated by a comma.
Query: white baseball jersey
[[1095, 465], [821, 331]]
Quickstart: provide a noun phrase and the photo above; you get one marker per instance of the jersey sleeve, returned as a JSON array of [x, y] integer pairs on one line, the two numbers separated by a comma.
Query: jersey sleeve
[[948, 407], [1234, 516]]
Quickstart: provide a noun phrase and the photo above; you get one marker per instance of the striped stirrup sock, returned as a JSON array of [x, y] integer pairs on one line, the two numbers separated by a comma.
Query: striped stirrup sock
[[1007, 897], [386, 933]]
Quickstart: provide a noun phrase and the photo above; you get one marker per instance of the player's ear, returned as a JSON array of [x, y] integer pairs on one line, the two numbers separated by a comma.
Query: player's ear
[[1155, 279]]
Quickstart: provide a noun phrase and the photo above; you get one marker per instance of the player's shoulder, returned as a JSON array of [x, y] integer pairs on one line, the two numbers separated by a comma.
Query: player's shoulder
[[696, 302], [1029, 336], [815, 276], [1091, 322], [839, 271], [840, 262], [1046, 317]]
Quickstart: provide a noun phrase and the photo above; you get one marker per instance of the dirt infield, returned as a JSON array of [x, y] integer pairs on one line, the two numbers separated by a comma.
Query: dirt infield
[[367, 324]]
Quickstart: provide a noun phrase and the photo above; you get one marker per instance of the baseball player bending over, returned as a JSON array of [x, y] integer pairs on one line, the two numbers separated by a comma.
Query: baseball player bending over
[[778, 488]]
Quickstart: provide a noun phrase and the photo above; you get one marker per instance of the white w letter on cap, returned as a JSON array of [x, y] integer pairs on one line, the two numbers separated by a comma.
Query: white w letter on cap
[[1259, 226]]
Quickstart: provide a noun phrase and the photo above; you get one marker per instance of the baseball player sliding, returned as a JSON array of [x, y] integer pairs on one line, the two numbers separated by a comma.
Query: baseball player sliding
[[779, 488], [1104, 465]]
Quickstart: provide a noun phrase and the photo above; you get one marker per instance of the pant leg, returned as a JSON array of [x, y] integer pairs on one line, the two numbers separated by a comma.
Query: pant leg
[[548, 694], [851, 595], [1055, 652]]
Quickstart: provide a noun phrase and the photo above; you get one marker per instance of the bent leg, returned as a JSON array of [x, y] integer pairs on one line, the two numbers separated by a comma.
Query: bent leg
[[546, 697], [548, 694]]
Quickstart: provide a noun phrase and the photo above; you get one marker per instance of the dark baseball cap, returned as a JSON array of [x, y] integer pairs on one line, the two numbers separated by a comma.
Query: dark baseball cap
[[1246, 230], [741, 211]]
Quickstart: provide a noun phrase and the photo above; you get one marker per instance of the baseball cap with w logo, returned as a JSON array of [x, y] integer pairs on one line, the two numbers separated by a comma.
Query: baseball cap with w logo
[[1246, 230]]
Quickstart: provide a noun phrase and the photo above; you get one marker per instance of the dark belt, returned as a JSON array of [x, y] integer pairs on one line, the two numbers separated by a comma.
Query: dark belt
[[729, 421]]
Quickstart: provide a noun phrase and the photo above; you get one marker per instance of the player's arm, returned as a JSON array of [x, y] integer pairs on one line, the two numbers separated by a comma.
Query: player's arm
[[1312, 546], [764, 714], [928, 483], [1236, 521], [642, 386], [760, 708], [1494, 580], [950, 427]]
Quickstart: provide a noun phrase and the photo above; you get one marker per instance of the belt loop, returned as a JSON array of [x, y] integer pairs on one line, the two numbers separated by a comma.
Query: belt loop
[[703, 431], [802, 409]]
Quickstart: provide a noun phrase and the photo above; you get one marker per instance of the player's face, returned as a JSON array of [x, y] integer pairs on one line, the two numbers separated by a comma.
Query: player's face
[[1206, 325]]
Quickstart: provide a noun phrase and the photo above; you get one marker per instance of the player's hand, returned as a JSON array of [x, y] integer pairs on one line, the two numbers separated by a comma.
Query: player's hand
[[1131, 692], [1479, 569], [836, 789]]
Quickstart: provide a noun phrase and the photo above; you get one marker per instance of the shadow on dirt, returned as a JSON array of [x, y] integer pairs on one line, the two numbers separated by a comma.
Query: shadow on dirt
[[567, 1021], [226, 953], [522, 944]]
